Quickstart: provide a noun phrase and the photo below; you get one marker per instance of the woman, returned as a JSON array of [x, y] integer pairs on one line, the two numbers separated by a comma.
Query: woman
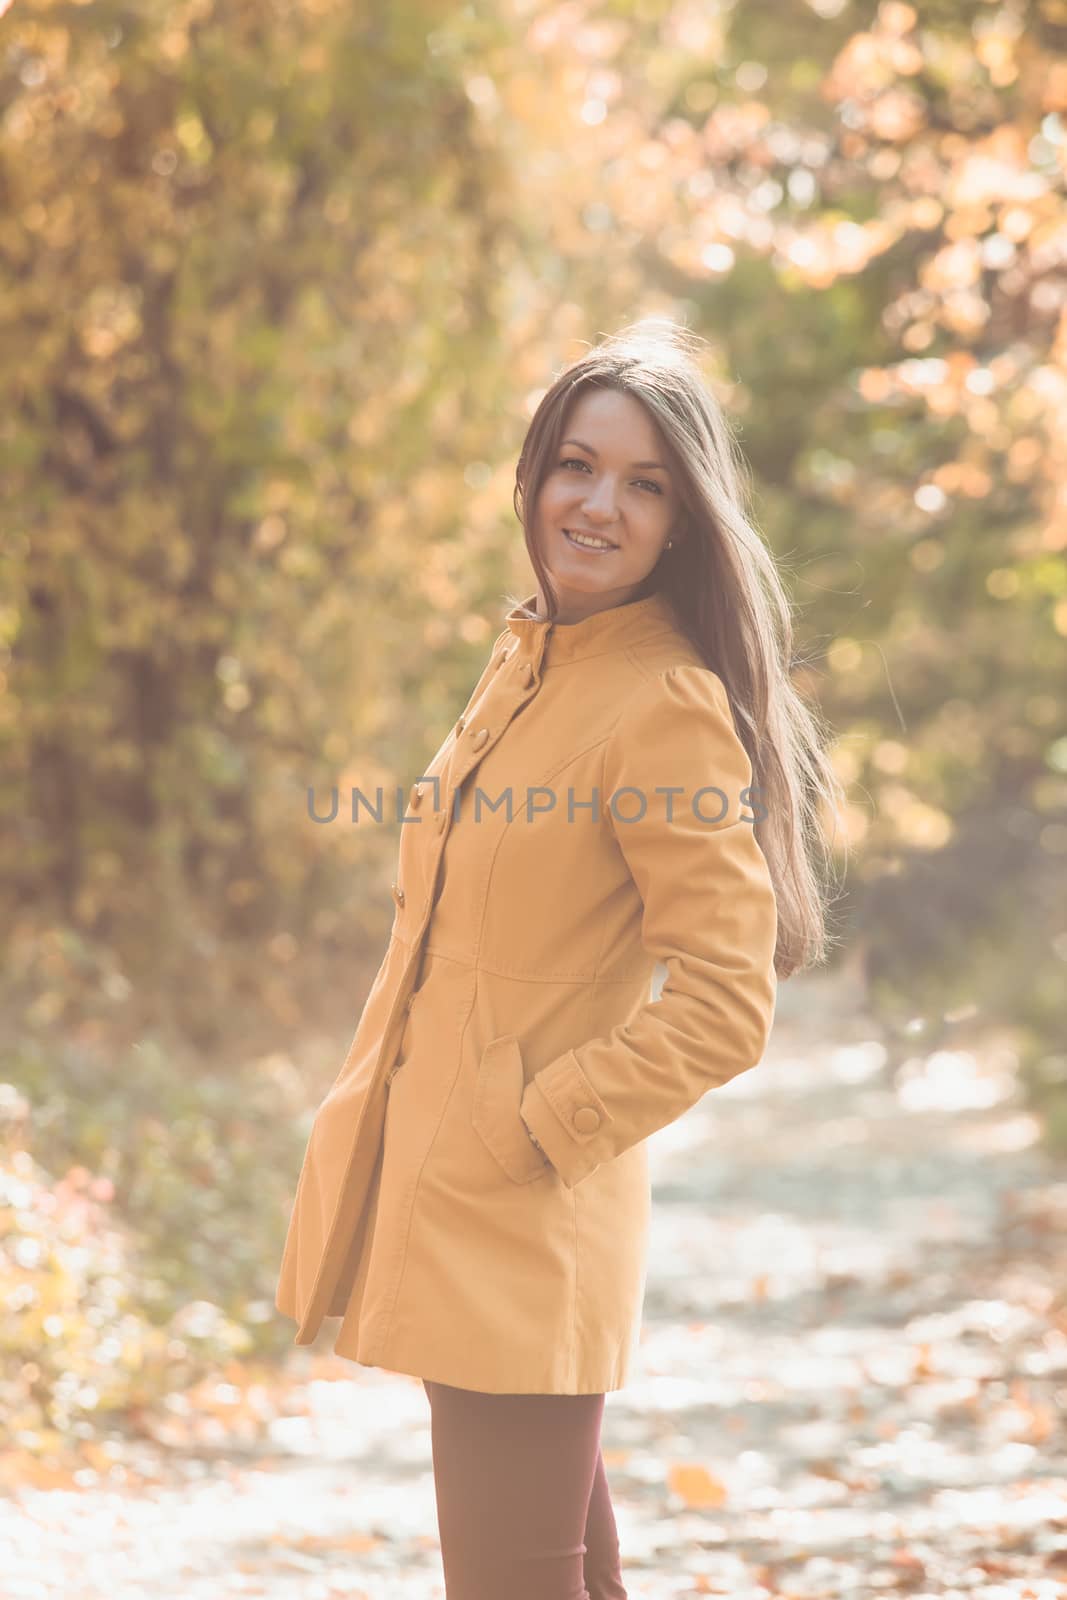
[[633, 781]]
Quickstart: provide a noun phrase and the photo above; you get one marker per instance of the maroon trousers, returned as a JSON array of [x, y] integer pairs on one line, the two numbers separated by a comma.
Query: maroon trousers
[[523, 1508]]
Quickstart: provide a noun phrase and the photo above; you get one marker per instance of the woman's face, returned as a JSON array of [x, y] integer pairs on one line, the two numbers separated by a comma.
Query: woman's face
[[610, 479]]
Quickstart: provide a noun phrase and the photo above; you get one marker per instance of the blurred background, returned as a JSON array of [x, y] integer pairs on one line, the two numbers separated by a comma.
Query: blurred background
[[281, 286]]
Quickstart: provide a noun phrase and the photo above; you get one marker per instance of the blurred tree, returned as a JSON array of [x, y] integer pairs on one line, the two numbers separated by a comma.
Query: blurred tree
[[250, 266]]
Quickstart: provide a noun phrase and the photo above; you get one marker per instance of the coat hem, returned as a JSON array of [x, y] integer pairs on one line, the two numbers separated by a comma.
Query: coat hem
[[388, 1359]]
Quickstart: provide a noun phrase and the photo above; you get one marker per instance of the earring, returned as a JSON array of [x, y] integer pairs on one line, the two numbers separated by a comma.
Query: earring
[[669, 543]]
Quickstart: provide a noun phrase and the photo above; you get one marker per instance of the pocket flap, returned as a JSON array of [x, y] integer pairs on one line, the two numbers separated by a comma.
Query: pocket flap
[[495, 1113]]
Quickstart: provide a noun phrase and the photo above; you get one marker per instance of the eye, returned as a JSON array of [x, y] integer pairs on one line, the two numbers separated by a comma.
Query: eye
[[576, 461]]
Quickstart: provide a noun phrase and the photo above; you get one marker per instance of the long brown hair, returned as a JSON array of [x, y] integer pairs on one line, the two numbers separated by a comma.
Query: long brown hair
[[723, 583]]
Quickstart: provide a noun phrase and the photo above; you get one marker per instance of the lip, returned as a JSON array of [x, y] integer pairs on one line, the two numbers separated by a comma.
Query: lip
[[587, 534]]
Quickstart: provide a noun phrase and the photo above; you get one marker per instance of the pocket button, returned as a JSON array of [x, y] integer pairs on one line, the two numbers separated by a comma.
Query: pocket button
[[586, 1120]]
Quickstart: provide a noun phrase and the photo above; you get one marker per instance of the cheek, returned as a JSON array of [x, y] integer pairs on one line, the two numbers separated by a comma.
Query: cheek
[[556, 493], [648, 540], [656, 515]]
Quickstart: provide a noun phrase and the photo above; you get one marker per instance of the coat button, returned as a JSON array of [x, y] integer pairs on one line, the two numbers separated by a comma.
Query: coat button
[[398, 894], [479, 738], [527, 675], [416, 796], [461, 724], [586, 1120]]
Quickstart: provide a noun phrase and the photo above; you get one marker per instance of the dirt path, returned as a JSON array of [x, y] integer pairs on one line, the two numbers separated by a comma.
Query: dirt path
[[851, 1381]]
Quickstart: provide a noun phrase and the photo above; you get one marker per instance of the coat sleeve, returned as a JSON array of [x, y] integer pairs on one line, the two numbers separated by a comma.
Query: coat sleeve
[[708, 913]]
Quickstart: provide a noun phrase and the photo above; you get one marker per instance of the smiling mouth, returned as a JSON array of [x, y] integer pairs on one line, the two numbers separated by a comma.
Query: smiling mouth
[[589, 542]]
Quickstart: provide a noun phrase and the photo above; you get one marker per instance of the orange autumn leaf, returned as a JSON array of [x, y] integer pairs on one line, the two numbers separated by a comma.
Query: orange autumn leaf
[[1043, 1424], [695, 1485], [922, 1367]]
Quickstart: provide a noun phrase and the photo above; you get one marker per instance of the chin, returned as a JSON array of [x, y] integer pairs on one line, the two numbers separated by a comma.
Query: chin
[[583, 580]]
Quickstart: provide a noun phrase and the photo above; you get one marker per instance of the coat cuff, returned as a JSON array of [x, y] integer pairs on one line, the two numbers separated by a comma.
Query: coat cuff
[[565, 1114]]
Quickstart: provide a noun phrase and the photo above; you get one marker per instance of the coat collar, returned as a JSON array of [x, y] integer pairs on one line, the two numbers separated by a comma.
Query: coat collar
[[616, 628]]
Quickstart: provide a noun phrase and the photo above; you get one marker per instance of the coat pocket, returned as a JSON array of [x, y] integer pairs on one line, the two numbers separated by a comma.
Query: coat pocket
[[495, 1112]]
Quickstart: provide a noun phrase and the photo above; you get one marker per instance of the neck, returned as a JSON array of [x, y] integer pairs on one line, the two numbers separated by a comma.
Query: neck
[[564, 619]]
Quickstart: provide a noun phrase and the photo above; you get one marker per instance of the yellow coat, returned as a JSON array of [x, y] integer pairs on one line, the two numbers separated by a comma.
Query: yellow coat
[[514, 997]]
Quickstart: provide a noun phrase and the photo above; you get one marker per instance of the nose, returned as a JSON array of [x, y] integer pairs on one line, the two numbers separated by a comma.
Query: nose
[[599, 503]]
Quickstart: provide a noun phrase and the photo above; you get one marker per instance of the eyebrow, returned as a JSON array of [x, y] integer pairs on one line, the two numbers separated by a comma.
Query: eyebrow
[[656, 465]]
